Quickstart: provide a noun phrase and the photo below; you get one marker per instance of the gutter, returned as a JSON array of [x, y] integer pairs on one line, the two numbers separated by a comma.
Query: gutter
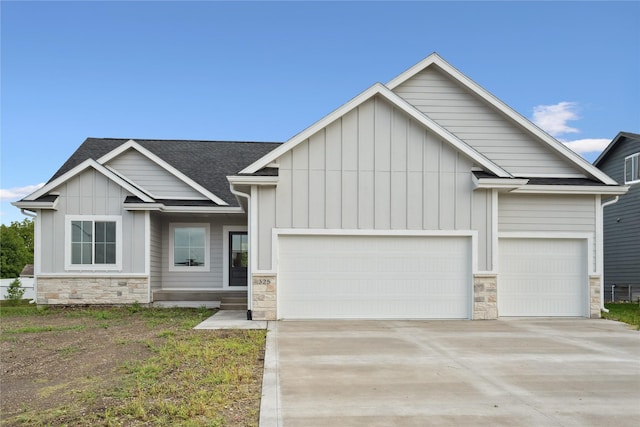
[[249, 264], [602, 206]]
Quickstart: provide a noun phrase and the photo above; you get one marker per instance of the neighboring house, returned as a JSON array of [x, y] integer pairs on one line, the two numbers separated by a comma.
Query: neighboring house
[[621, 161], [426, 197]]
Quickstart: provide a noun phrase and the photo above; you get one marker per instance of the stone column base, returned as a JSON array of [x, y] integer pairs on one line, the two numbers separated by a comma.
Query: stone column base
[[485, 297], [595, 297], [263, 296]]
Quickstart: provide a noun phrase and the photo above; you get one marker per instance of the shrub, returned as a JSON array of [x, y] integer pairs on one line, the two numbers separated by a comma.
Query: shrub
[[15, 291]]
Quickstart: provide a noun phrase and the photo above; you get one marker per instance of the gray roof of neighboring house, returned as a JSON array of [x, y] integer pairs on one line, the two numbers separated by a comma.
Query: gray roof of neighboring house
[[206, 162]]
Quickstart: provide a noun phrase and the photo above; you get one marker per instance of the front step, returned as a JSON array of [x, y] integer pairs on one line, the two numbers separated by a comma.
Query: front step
[[225, 300]]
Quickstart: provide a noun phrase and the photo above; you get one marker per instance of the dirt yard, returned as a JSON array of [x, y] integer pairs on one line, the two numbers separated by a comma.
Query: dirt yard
[[119, 366]]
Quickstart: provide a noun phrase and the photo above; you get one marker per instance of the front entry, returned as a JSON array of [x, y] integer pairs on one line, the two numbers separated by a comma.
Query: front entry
[[238, 258]]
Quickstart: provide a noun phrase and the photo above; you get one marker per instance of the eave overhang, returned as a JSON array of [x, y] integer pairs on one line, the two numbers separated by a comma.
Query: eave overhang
[[50, 202], [609, 190]]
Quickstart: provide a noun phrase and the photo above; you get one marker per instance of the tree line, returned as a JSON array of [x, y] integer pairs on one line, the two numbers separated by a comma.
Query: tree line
[[16, 247]]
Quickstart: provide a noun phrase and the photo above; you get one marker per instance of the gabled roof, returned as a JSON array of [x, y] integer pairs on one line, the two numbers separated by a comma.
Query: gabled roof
[[203, 164], [613, 143], [377, 90], [435, 60]]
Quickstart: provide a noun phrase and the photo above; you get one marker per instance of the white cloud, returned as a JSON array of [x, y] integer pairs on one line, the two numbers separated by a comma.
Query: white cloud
[[588, 145], [17, 193], [553, 118]]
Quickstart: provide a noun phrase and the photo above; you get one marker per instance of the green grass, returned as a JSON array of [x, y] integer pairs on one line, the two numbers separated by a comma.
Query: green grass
[[624, 312], [40, 329]]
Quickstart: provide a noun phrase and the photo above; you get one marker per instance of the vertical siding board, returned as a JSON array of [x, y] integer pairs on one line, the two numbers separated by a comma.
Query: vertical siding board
[[317, 151], [399, 202], [334, 146], [382, 200], [266, 222], [316, 198], [382, 136], [283, 198], [366, 130], [366, 199], [431, 199], [333, 208], [300, 198], [350, 141], [349, 213], [415, 194]]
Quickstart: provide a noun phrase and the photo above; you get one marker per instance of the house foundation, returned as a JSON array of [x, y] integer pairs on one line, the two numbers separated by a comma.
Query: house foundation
[[92, 290], [485, 297]]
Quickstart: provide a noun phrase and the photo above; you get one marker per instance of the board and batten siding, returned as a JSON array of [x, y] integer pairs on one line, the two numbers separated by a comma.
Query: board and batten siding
[[211, 279], [480, 125], [533, 213], [149, 176], [91, 193], [622, 220], [372, 169]]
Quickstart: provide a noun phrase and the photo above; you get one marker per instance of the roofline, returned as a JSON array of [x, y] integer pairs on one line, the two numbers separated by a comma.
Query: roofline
[[556, 145], [28, 204], [89, 163], [612, 144], [609, 190], [252, 180], [132, 144], [161, 207], [376, 89]]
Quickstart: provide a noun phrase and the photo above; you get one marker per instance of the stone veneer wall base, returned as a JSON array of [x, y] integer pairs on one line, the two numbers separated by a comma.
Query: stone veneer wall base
[[595, 297], [92, 290], [485, 297], [263, 296]]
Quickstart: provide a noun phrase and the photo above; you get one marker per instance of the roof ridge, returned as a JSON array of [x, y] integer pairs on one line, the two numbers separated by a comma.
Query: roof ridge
[[184, 140]]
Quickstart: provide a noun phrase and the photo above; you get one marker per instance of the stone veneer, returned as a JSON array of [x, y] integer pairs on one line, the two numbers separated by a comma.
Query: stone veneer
[[92, 290], [594, 297], [263, 297], [485, 297]]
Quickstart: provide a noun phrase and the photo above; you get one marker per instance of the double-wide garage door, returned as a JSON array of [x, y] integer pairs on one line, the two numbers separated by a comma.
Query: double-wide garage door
[[374, 277], [542, 277]]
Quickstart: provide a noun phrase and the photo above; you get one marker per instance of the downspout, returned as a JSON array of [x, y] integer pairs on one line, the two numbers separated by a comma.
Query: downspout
[[32, 215], [604, 205], [249, 266]]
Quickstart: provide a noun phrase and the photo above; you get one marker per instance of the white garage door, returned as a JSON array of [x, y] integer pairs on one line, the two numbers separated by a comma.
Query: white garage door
[[373, 277], [542, 277]]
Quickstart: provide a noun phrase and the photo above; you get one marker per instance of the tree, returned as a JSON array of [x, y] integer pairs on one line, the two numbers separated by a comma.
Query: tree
[[16, 247], [15, 291]]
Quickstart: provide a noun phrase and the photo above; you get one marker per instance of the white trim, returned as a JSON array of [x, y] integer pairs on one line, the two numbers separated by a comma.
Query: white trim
[[147, 251], [226, 229], [572, 189], [494, 230], [207, 247], [599, 236], [37, 205], [499, 183], [92, 274], [557, 146], [181, 209], [81, 168], [637, 167], [378, 89], [253, 230], [550, 175], [68, 266], [131, 144], [556, 235], [252, 180]]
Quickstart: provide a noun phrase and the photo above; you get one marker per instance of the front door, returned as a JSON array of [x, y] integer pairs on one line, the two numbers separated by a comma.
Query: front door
[[238, 258]]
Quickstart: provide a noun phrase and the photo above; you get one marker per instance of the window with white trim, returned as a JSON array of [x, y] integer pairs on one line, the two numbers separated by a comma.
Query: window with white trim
[[189, 247], [632, 169], [93, 243]]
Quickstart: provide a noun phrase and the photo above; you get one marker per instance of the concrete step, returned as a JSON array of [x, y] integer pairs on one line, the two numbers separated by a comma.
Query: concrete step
[[199, 295], [233, 306]]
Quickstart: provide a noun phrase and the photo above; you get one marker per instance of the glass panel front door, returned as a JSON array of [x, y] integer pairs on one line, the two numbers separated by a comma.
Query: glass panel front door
[[238, 258]]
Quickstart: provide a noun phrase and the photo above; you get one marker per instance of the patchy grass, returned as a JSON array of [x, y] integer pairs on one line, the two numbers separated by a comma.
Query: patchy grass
[[129, 366], [624, 312]]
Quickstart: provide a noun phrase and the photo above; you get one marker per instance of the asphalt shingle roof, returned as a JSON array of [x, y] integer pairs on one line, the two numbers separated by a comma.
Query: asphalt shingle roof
[[206, 162]]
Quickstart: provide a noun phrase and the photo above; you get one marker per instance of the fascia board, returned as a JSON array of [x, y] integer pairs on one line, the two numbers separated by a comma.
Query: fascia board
[[202, 209], [36, 205], [308, 132], [505, 109], [377, 89], [613, 190], [132, 144], [497, 183], [252, 180], [89, 163]]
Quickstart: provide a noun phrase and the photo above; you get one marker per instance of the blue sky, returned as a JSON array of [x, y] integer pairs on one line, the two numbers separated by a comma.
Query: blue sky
[[264, 71]]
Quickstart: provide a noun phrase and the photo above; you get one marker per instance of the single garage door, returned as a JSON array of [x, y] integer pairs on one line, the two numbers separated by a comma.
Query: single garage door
[[542, 277], [374, 277]]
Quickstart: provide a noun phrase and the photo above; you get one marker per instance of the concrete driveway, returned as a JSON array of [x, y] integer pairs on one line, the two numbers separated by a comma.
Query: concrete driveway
[[524, 372]]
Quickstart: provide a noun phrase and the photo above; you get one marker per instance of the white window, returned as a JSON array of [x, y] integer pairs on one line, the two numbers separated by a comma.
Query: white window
[[189, 247], [632, 169], [93, 242]]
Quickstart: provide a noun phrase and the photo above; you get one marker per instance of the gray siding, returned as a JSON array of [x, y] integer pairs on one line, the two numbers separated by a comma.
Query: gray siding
[[196, 280], [480, 125], [152, 178], [155, 247], [374, 168], [91, 193], [622, 221]]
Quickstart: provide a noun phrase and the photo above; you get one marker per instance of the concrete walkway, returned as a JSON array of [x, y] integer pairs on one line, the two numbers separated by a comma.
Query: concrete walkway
[[525, 372], [231, 319]]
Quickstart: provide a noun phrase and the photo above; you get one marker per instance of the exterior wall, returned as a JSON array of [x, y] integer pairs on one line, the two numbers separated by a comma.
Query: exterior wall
[[152, 178], [478, 124], [372, 169], [622, 221], [155, 247], [185, 280], [91, 193], [548, 214], [92, 290]]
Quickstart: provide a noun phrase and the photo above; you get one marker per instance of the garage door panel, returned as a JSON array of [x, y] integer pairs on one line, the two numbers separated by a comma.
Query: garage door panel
[[542, 277], [373, 277]]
